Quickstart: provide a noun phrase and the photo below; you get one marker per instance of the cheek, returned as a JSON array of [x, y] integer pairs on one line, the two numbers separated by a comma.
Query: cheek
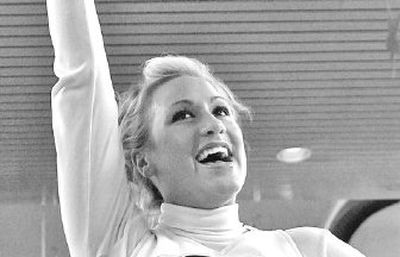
[[236, 136], [236, 132], [172, 158], [174, 144]]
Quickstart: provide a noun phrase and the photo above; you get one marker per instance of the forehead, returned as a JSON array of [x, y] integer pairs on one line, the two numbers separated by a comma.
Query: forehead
[[185, 87]]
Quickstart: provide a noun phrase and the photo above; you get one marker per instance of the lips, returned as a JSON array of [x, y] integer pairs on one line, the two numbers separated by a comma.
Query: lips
[[214, 152]]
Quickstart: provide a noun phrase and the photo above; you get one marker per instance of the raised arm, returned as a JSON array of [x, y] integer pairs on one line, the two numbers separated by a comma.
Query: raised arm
[[92, 183]]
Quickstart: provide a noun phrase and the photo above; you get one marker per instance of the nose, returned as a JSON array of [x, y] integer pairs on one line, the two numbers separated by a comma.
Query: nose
[[212, 126]]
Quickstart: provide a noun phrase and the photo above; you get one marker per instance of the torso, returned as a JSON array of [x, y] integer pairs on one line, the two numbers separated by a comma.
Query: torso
[[254, 243]]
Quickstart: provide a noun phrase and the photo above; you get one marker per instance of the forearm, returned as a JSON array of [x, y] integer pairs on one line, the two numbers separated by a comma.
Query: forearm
[[76, 35]]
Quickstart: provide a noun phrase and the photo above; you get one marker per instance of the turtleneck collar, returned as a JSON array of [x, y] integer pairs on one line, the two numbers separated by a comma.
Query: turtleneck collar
[[215, 228]]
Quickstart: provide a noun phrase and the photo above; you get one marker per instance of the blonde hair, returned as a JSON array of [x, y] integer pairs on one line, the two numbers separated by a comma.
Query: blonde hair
[[134, 117]]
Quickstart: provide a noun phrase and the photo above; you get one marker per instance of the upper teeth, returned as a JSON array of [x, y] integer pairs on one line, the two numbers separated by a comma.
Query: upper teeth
[[213, 150]]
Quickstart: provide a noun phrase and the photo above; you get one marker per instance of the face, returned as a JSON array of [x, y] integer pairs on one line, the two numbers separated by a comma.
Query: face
[[196, 155]]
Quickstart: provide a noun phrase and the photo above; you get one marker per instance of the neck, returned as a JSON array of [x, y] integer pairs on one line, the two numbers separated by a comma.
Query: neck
[[203, 205], [214, 228], [212, 201]]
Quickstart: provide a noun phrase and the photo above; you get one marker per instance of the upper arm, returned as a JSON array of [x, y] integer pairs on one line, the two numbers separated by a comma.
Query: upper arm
[[316, 242]]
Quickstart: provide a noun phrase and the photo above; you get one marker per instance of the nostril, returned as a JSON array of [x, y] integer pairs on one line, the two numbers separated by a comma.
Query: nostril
[[216, 130], [213, 126]]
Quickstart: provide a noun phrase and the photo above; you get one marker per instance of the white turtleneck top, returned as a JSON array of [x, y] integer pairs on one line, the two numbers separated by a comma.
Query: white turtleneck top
[[97, 212], [184, 231], [213, 228], [189, 231]]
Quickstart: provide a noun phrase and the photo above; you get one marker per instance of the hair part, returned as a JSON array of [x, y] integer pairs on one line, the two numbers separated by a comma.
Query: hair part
[[134, 116]]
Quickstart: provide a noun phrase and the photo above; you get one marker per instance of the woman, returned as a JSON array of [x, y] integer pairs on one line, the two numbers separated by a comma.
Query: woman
[[169, 189]]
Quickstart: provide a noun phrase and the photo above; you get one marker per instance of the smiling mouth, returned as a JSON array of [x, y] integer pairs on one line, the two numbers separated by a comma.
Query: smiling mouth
[[214, 155]]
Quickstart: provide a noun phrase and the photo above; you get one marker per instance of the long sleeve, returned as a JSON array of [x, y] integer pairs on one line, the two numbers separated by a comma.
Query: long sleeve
[[316, 242], [93, 189]]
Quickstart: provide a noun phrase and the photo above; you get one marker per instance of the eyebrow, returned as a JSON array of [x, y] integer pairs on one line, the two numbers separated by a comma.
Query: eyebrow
[[184, 101], [219, 97], [189, 102]]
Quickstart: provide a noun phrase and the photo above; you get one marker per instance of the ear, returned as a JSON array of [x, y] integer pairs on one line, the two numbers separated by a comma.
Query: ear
[[142, 163]]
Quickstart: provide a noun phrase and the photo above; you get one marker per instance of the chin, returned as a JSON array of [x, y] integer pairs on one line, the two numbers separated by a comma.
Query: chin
[[223, 182], [228, 188]]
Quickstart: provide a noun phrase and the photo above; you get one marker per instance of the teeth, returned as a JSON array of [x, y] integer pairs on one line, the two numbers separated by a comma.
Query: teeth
[[213, 150]]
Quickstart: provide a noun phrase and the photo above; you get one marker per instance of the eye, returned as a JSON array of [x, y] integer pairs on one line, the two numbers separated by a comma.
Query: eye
[[182, 115], [221, 111]]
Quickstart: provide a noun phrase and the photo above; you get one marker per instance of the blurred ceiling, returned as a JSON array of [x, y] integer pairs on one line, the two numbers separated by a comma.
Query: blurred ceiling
[[322, 74]]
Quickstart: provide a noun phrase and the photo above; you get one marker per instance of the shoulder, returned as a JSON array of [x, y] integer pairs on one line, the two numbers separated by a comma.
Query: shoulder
[[317, 242]]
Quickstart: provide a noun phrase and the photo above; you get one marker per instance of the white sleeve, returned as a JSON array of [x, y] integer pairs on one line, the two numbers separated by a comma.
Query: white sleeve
[[93, 189], [317, 242]]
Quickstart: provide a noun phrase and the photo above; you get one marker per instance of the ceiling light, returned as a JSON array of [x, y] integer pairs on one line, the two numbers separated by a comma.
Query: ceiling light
[[294, 154]]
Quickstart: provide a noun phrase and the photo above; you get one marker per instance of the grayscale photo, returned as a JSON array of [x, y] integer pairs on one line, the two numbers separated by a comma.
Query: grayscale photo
[[199, 128]]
